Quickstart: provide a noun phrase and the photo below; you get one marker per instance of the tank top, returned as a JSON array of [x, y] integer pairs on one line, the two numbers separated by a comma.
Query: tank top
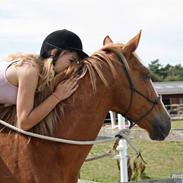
[[8, 92]]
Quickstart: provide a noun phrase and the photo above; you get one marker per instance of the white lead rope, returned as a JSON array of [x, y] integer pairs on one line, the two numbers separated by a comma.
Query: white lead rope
[[99, 140], [66, 141]]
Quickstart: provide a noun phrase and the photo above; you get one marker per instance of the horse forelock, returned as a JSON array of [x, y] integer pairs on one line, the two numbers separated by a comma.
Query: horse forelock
[[92, 65]]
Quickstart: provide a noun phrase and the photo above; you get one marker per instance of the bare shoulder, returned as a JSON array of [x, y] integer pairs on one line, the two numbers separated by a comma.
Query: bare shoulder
[[27, 71], [28, 68]]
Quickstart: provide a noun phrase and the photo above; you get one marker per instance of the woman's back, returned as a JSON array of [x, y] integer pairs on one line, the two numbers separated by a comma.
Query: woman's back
[[8, 92]]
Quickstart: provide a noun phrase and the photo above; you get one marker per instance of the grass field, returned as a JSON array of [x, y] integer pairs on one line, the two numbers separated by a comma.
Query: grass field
[[177, 124], [163, 159]]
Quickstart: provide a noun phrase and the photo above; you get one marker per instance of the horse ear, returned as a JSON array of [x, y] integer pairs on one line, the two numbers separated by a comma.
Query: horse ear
[[132, 45], [107, 40]]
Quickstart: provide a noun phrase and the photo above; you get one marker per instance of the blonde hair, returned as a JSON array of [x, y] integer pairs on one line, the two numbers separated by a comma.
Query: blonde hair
[[91, 65], [45, 66]]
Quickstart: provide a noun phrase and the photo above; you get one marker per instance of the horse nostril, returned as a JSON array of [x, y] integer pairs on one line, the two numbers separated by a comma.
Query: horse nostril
[[165, 127]]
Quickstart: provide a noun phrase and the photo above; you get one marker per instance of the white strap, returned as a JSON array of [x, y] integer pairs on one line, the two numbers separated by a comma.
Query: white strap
[[44, 137]]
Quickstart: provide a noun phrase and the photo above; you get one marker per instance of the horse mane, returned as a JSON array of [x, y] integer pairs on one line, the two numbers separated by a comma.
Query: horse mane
[[92, 65]]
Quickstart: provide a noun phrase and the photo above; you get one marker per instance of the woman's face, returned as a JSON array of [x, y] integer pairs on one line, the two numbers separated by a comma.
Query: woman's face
[[64, 60]]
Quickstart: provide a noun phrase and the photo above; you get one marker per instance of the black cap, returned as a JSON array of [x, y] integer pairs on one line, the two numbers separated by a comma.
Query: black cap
[[62, 39]]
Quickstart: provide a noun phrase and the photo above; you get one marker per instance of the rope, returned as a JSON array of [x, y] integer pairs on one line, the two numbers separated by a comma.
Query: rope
[[99, 156], [99, 140], [114, 150], [109, 153]]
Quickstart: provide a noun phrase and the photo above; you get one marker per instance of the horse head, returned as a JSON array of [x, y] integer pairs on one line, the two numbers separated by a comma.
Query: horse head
[[135, 96]]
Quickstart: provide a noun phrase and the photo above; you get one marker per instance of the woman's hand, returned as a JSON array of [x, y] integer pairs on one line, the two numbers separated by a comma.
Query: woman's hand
[[66, 88]]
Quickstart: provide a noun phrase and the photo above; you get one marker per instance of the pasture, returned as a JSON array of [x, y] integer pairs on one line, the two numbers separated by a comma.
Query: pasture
[[163, 158]]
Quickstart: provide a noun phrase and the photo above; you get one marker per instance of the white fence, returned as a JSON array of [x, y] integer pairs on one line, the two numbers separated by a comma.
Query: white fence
[[119, 122], [175, 111]]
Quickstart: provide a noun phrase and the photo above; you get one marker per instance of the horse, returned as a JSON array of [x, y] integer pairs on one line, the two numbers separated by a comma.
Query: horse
[[113, 78]]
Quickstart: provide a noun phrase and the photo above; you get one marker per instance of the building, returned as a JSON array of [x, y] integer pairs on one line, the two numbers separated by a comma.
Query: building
[[171, 93]]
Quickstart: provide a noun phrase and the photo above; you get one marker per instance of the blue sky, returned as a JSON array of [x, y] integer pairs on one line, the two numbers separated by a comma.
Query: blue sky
[[24, 25]]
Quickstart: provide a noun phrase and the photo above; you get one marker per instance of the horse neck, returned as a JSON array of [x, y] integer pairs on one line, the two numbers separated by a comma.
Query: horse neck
[[86, 111]]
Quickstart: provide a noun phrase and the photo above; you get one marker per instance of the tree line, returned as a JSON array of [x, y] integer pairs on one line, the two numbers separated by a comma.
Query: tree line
[[165, 73]]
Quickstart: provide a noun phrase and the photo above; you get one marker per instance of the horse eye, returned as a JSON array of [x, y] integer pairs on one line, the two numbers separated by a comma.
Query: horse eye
[[147, 77]]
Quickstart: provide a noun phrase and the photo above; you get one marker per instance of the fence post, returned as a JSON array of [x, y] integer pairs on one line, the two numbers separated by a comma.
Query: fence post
[[113, 119], [122, 148]]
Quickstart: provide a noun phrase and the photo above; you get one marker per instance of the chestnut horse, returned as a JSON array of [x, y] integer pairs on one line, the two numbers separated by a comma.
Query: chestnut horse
[[115, 80]]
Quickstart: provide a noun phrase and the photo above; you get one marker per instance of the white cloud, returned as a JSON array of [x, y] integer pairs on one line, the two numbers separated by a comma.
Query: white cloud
[[26, 23]]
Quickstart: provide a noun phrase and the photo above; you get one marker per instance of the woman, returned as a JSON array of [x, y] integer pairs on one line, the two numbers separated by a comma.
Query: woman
[[20, 79]]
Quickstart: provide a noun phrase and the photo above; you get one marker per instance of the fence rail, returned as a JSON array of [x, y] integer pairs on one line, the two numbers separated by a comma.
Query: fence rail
[[175, 111]]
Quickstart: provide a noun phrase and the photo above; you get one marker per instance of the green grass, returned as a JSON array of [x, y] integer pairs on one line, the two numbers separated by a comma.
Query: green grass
[[104, 170], [177, 124], [163, 159]]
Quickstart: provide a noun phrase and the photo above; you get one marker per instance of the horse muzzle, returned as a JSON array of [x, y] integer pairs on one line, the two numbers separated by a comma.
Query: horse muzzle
[[161, 129]]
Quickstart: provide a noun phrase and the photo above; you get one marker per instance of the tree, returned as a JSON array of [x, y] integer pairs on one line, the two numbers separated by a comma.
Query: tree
[[155, 68], [166, 73], [175, 73]]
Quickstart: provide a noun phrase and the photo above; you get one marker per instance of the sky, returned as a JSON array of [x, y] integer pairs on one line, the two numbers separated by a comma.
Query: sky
[[25, 24]]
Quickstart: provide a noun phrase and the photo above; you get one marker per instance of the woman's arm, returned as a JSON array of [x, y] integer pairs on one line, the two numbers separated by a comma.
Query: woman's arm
[[27, 117]]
